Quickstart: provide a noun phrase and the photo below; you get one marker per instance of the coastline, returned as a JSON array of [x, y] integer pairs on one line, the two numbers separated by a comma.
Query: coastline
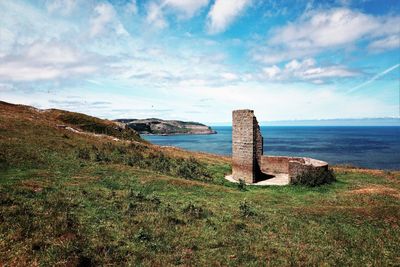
[[364, 147], [176, 134]]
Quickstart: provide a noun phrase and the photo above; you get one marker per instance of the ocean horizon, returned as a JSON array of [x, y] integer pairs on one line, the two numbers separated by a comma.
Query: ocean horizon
[[375, 147]]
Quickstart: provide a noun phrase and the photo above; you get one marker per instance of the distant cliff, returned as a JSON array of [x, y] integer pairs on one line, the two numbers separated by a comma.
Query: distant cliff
[[166, 127]]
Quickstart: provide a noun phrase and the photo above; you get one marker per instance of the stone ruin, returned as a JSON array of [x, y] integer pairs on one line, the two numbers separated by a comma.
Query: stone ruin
[[252, 166]]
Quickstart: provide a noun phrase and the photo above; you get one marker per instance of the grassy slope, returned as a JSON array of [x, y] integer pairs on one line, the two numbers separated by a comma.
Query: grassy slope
[[70, 199]]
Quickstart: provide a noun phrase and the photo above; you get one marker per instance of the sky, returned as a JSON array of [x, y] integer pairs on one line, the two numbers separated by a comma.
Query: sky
[[200, 59]]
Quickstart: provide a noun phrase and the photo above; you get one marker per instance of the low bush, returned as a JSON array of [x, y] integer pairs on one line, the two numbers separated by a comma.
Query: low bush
[[3, 163], [242, 185], [314, 178], [83, 153], [191, 169], [134, 159], [196, 212], [136, 156], [143, 235], [245, 210]]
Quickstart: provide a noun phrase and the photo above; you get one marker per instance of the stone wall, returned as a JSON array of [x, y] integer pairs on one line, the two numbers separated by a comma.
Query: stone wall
[[258, 142], [304, 165], [274, 164], [246, 146], [248, 161], [293, 166]]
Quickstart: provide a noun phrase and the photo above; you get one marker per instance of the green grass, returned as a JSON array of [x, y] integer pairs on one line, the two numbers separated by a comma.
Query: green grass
[[61, 204], [118, 215], [98, 126]]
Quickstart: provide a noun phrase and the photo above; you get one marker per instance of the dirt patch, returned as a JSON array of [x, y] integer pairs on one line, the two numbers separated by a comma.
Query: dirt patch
[[381, 190], [67, 237], [35, 186]]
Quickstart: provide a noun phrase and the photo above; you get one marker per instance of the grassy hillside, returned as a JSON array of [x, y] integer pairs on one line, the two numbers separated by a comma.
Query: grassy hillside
[[88, 195]]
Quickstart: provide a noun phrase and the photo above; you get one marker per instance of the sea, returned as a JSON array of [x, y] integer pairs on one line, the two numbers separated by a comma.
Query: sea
[[361, 146]]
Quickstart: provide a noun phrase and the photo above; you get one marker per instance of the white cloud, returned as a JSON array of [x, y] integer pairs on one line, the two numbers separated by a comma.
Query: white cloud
[[45, 61], [328, 72], [387, 43], [65, 7], [104, 15], [193, 83], [325, 29], [24, 24], [51, 53], [306, 70], [295, 65], [188, 7], [106, 20], [229, 76], [155, 15], [223, 13], [20, 72], [272, 72], [184, 9], [321, 30]]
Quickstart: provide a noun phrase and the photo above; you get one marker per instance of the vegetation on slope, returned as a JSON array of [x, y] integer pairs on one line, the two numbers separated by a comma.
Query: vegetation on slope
[[315, 177], [74, 199], [98, 126]]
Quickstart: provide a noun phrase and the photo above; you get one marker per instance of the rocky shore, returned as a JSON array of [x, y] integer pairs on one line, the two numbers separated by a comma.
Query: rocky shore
[[166, 127]]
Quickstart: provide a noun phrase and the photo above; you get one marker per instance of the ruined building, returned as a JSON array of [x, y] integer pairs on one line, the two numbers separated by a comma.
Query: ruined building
[[249, 163]]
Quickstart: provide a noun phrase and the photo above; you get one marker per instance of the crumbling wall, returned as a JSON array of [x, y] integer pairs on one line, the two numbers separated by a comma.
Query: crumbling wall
[[258, 141], [304, 165], [246, 146], [274, 164], [293, 166], [248, 161]]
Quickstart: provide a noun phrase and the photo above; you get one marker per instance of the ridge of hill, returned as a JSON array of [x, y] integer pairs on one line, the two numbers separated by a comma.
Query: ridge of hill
[[166, 127]]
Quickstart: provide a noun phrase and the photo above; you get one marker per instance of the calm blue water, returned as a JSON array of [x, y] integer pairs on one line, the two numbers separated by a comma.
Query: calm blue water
[[369, 147]]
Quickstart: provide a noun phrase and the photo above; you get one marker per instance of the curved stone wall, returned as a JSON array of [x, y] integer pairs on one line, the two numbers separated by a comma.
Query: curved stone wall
[[293, 166]]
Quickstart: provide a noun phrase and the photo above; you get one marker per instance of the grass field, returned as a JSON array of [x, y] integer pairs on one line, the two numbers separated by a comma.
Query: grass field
[[75, 199]]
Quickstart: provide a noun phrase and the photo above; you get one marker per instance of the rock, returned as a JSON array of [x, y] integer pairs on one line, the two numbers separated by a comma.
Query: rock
[[166, 127]]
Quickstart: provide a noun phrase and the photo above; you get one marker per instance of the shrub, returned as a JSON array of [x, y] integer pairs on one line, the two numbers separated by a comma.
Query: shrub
[[83, 153], [160, 163], [101, 156], [134, 159], [137, 195], [143, 235], [245, 210], [3, 162], [191, 169], [194, 211], [315, 177], [134, 155], [242, 185]]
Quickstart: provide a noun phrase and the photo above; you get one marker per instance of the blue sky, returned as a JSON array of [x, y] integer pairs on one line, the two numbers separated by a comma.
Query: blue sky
[[200, 59]]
